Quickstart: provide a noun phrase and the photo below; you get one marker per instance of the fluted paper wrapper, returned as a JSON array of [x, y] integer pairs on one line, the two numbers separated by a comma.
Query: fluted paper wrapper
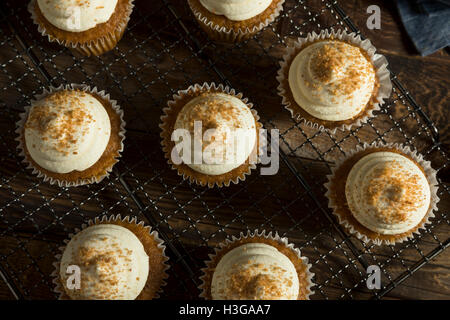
[[24, 116], [96, 47], [168, 120], [113, 219], [379, 62], [430, 174], [255, 235], [221, 33]]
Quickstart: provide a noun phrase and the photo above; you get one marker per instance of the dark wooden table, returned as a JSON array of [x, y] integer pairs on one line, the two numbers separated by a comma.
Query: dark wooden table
[[182, 211]]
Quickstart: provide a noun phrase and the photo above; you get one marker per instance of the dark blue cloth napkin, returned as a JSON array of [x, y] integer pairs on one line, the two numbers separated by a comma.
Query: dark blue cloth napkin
[[427, 23]]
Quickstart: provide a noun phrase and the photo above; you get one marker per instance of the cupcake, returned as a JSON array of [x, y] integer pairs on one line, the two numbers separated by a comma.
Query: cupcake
[[234, 20], [383, 194], [218, 132], [71, 135], [91, 27], [333, 80], [257, 266], [118, 259]]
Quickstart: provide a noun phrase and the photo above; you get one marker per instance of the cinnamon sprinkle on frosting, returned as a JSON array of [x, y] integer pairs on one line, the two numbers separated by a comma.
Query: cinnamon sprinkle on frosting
[[331, 60], [255, 271], [54, 120], [332, 80], [112, 267], [256, 281], [209, 109], [398, 191], [387, 192]]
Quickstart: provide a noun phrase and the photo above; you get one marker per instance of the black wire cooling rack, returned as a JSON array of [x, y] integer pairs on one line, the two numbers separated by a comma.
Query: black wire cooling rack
[[164, 51]]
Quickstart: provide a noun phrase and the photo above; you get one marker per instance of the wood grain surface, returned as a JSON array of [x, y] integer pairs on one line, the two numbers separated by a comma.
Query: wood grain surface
[[159, 55]]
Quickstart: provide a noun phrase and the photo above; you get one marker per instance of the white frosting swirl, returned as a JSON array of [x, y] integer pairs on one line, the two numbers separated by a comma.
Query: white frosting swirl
[[255, 271], [67, 131], [112, 261], [332, 80], [387, 193], [77, 15], [236, 10], [233, 132]]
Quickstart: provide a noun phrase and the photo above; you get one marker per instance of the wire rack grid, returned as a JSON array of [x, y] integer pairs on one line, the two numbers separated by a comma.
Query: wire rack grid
[[163, 51]]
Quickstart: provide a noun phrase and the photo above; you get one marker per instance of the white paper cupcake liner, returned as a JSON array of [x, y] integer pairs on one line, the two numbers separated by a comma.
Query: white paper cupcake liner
[[221, 33], [430, 174], [256, 234], [94, 47], [168, 113], [59, 289], [23, 117], [379, 62]]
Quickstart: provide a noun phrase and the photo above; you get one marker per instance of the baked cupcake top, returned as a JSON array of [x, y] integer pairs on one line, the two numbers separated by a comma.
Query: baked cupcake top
[[332, 80], [255, 271], [77, 15], [66, 131], [236, 10], [387, 192], [224, 129], [112, 261]]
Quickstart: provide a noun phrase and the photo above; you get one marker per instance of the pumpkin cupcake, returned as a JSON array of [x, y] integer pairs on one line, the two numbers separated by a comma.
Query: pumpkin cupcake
[[383, 194], [71, 135], [257, 266], [210, 135], [234, 20], [117, 259], [333, 80], [91, 27]]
